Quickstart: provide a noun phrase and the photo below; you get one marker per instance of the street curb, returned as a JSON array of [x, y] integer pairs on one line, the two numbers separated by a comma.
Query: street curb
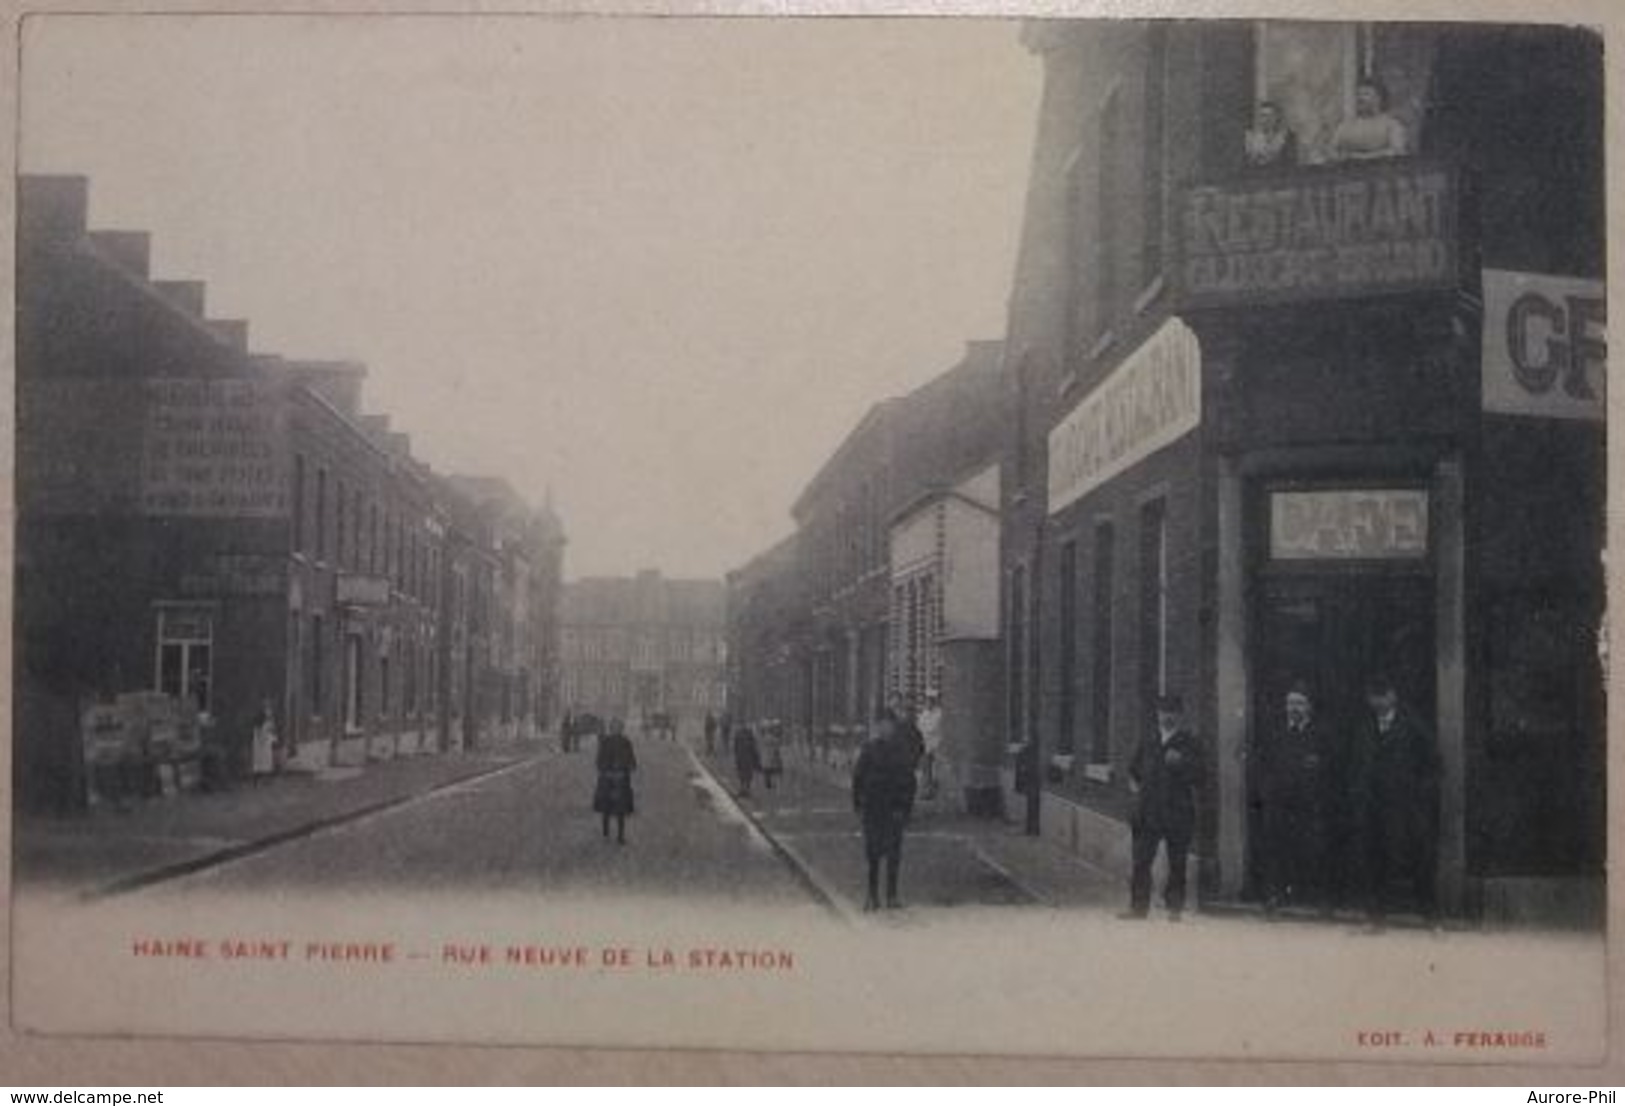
[[826, 896], [164, 872]]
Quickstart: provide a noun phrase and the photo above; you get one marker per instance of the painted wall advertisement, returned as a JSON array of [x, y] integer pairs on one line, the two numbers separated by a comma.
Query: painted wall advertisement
[[214, 448], [1151, 400], [1545, 347]]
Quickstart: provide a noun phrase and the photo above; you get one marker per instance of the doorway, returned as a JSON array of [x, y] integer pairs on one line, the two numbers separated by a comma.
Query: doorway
[[1334, 631]]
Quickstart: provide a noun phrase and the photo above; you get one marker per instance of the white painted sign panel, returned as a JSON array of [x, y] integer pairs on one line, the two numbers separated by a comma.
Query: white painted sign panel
[[1150, 401], [1545, 347]]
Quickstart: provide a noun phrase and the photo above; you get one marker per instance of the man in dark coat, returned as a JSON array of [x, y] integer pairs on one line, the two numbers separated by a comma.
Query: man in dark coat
[[883, 796], [613, 798], [747, 758], [1166, 772], [710, 733], [1394, 799], [1292, 766]]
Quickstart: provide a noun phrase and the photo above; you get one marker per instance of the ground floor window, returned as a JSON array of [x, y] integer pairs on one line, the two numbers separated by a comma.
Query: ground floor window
[[185, 664], [353, 671]]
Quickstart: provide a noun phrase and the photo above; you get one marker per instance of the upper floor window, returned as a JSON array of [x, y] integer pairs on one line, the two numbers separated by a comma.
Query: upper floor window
[[1322, 96]]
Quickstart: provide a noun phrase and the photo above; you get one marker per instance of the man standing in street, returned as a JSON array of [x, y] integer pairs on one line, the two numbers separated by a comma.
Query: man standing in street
[[1292, 767], [1166, 772], [1394, 791], [883, 796]]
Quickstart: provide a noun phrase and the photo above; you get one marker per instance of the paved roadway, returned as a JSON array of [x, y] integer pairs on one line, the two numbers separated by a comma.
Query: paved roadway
[[530, 828]]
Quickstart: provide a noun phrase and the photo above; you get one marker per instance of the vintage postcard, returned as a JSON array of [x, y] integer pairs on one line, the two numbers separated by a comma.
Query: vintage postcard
[[1057, 535]]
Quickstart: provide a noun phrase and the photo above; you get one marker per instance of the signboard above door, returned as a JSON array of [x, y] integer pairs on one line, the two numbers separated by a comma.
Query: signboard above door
[[1349, 524]]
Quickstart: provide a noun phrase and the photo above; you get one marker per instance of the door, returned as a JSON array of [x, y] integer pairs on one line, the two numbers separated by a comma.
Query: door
[[1333, 633]]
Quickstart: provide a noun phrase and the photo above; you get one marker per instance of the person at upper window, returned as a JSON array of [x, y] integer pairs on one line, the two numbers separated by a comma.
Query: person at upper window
[[1269, 143], [1372, 132]]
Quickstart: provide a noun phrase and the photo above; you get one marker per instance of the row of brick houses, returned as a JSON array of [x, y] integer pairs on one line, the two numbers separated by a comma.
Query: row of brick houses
[[230, 536], [637, 647], [1308, 422]]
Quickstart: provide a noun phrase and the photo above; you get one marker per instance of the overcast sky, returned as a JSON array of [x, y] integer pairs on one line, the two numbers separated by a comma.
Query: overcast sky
[[660, 265]]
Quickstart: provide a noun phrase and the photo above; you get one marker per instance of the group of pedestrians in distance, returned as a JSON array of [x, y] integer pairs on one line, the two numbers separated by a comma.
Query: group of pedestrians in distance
[[1365, 806]]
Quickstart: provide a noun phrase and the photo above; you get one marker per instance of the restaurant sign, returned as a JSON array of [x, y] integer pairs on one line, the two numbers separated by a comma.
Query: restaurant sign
[[1349, 524], [1151, 400], [214, 448], [1545, 349], [1319, 233]]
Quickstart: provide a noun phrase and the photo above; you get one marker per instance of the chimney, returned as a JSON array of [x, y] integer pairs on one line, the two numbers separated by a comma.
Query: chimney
[[233, 332], [131, 249], [52, 207], [338, 382]]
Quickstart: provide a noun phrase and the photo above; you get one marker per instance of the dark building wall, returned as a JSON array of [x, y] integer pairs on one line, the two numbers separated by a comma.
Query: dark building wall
[[1335, 391]]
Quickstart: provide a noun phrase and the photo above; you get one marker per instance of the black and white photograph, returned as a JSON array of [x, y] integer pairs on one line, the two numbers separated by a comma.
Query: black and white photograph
[[1044, 536]]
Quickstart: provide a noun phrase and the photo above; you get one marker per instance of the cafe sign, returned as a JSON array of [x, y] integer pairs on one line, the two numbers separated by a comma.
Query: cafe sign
[[1349, 524], [1151, 400], [1319, 233], [1545, 348]]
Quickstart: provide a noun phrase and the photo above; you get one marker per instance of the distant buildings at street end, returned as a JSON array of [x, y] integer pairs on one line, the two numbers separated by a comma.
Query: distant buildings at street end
[[634, 647]]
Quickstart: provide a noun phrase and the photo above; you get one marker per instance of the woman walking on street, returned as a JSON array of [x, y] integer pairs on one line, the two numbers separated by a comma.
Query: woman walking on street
[[612, 798]]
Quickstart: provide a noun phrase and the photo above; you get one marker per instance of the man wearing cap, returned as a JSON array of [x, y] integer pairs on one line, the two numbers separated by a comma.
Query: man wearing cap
[[1165, 773], [1394, 791], [1291, 772]]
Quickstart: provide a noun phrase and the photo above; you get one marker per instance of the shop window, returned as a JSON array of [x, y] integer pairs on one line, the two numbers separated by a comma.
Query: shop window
[[1100, 647], [185, 666], [1068, 659], [1153, 599], [353, 670]]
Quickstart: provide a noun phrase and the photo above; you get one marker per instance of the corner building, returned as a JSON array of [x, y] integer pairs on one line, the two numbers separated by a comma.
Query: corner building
[[1315, 422]]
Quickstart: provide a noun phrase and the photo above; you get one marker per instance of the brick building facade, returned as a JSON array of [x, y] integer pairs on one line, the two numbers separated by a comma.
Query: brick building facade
[[227, 530], [1286, 424]]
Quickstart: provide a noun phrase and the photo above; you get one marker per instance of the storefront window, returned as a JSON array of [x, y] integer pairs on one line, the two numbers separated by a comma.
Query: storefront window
[[1069, 646], [1154, 599], [1100, 651], [185, 667], [352, 682]]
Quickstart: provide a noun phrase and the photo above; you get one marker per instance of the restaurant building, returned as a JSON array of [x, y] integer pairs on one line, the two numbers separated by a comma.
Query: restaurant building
[[1315, 421]]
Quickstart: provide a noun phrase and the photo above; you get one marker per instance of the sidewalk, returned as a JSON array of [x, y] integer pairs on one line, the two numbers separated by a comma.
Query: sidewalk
[[949, 858], [106, 850]]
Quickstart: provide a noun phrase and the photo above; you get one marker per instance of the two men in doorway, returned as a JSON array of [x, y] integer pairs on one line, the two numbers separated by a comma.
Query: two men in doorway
[[1368, 807]]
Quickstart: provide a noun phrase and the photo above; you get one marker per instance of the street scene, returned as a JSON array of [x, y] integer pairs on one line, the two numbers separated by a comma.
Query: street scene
[[940, 479]]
